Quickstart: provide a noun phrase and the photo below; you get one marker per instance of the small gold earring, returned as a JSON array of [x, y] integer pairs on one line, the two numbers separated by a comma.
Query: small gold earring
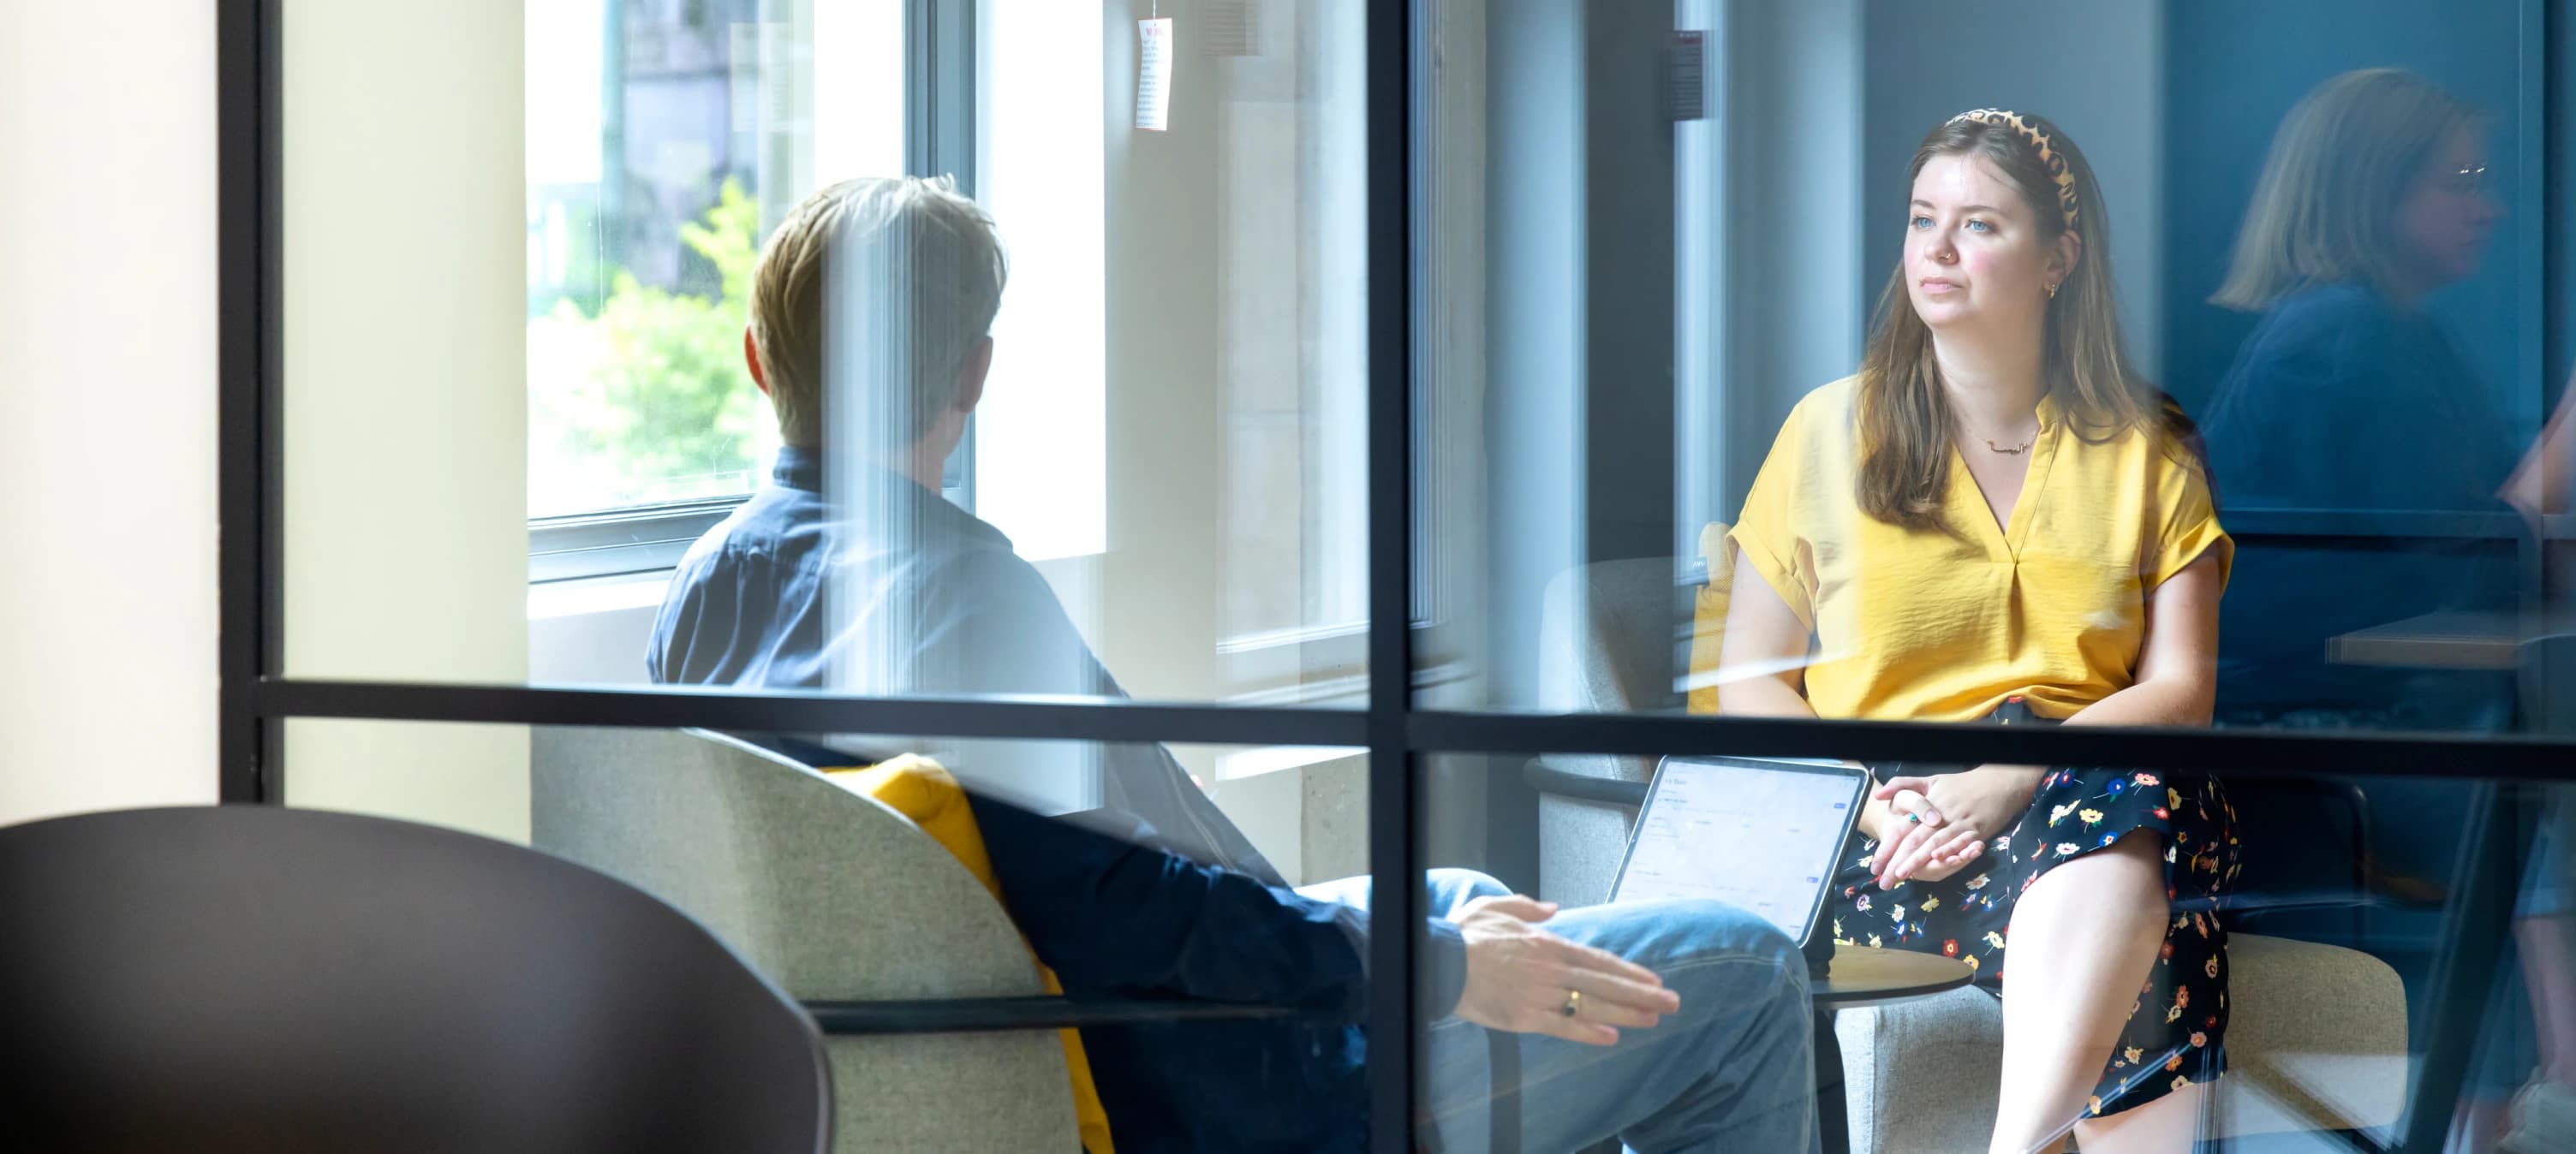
[[2052, 290]]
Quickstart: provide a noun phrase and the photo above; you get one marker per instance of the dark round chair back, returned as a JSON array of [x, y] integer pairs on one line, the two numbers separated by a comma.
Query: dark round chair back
[[273, 980]]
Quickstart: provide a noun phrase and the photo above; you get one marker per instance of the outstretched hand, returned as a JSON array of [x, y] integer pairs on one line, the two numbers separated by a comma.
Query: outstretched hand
[[1519, 976]]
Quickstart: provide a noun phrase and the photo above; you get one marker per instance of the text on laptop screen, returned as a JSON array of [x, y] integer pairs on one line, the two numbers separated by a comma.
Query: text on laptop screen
[[1761, 838]]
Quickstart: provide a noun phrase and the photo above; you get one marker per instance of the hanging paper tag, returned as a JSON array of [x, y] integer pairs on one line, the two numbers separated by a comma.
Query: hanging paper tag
[[1154, 74], [1687, 69]]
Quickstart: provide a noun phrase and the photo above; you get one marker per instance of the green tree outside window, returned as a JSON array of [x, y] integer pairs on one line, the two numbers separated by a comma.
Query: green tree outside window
[[648, 401]]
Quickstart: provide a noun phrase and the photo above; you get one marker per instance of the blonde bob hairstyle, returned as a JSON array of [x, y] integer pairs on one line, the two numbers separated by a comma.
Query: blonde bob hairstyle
[[1904, 414], [2325, 209], [874, 291]]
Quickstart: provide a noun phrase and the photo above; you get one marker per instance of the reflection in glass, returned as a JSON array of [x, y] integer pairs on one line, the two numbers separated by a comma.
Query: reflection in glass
[[1682, 1026], [2542, 1111], [845, 883], [1160, 478], [2373, 197], [1164, 437], [871, 313]]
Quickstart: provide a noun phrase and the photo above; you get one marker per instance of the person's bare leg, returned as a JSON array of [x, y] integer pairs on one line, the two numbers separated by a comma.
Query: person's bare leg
[[2083, 939], [2168, 1125], [2539, 1116], [2549, 969]]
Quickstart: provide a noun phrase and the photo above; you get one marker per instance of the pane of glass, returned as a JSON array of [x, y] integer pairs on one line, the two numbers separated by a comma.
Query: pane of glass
[[665, 140], [2415, 936], [574, 195], [1128, 365], [1245, 221], [1651, 468], [940, 881], [2248, 419]]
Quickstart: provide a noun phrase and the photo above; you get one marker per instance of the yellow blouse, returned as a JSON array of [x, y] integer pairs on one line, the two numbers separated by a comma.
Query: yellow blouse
[[1922, 625]]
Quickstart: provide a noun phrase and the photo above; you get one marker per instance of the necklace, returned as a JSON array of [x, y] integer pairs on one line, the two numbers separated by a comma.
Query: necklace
[[2038, 426]]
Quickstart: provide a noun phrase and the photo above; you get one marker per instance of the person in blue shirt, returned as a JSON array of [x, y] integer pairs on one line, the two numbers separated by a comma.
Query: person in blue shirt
[[2349, 396], [1673, 1026]]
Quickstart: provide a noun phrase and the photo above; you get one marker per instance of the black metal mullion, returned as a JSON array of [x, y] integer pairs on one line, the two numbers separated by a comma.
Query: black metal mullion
[[1397, 935], [1035, 1012], [248, 449], [2466, 757], [665, 707], [2164, 749]]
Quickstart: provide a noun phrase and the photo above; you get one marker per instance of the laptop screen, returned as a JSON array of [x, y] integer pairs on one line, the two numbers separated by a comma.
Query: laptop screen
[[1759, 834]]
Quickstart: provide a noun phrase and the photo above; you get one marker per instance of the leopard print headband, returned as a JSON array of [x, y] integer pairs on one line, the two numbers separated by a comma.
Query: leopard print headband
[[2039, 142]]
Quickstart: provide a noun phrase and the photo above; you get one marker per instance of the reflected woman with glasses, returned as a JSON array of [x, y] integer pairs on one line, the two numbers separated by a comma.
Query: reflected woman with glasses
[[1997, 519], [2350, 396]]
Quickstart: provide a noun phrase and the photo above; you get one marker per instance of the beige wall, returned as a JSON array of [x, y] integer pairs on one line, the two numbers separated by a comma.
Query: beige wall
[[406, 396], [107, 406]]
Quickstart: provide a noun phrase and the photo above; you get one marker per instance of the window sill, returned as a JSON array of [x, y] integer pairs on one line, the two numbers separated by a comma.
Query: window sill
[[552, 599]]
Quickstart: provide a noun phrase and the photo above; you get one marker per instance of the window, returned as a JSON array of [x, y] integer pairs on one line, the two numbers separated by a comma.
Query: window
[[1041, 469], [1601, 371], [664, 138]]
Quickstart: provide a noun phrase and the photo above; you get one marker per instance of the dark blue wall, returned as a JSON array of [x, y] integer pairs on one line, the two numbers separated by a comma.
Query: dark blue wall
[[2237, 68]]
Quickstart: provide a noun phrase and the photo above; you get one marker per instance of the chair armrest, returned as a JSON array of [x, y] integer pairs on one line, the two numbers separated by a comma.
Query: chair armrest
[[1551, 780], [2369, 880], [986, 1015], [2358, 805]]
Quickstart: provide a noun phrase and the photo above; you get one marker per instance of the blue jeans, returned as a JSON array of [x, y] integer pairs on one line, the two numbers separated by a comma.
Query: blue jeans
[[1732, 1070]]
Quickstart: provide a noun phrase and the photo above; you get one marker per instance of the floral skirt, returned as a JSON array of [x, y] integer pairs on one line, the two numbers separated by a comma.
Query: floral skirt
[[2173, 1036]]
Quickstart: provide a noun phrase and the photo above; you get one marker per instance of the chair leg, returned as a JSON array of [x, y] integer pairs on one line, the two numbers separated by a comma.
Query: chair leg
[[1503, 1063], [1833, 1113], [2482, 909]]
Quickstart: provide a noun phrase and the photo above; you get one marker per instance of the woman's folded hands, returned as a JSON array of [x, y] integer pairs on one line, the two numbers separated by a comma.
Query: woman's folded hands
[[1938, 825]]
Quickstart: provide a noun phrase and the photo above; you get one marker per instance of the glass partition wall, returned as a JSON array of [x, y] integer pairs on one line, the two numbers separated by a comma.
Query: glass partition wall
[[1438, 417]]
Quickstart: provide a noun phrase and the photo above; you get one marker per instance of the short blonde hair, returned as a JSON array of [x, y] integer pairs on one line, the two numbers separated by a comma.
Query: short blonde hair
[[876, 289], [2325, 209]]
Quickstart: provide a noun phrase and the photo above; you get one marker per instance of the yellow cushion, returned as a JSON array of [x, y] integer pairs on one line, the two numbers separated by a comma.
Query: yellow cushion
[[1708, 620], [918, 788]]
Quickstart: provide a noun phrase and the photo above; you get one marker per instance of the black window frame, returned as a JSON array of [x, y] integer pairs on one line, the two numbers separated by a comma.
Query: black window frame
[[257, 696]]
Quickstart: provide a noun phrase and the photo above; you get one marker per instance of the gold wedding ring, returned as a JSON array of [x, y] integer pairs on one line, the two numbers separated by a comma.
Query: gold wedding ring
[[1573, 1004]]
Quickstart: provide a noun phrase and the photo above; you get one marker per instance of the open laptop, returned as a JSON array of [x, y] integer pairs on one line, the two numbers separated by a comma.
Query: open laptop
[[1760, 834]]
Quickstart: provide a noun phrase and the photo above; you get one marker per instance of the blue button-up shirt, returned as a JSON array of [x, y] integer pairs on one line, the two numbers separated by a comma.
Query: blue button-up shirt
[[913, 595], [2341, 400], [899, 592]]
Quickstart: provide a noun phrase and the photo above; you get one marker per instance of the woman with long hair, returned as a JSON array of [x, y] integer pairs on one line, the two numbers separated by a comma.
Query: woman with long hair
[[2349, 395], [1997, 519]]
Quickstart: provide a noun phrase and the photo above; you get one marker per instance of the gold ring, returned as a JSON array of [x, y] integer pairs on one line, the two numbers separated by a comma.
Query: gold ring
[[1573, 1004]]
